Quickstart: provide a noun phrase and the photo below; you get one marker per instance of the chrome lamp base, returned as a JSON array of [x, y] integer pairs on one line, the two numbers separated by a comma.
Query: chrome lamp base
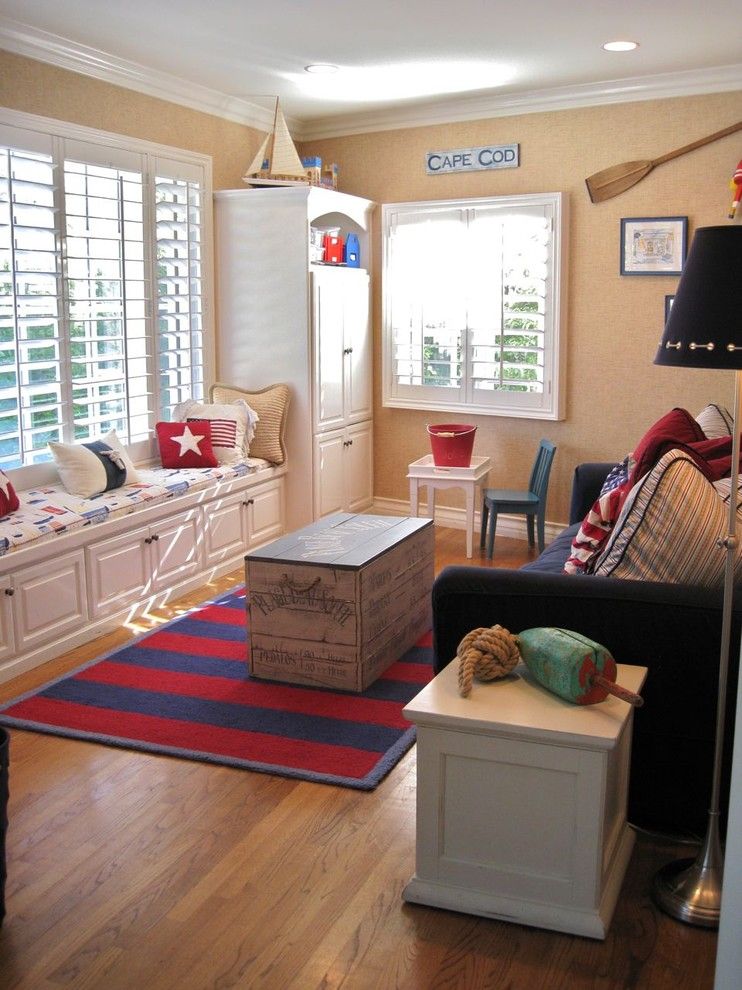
[[690, 889]]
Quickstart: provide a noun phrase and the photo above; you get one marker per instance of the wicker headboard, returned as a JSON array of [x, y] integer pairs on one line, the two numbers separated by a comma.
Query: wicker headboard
[[271, 404]]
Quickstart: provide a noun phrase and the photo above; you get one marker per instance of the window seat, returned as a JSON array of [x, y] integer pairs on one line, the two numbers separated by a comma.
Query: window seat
[[73, 568], [49, 510]]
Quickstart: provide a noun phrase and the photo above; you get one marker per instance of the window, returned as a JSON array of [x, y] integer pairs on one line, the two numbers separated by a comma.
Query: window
[[102, 286], [472, 300]]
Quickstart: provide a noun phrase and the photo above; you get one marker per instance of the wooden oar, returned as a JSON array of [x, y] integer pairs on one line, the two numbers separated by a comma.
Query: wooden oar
[[618, 178]]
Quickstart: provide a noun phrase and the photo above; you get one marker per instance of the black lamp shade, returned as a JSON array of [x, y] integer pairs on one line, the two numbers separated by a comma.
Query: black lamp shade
[[706, 309]]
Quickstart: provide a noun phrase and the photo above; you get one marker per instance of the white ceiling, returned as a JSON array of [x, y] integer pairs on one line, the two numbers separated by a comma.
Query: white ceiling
[[403, 62]]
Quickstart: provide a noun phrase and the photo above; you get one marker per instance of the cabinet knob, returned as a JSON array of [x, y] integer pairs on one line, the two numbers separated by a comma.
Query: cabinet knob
[[350, 443], [9, 592], [155, 538], [249, 501], [347, 350], [148, 540]]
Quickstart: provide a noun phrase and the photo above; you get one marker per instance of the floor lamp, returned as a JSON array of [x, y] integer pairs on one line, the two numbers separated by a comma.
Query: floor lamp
[[704, 330]]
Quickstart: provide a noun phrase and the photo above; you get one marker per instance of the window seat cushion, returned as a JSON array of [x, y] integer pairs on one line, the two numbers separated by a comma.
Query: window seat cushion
[[50, 510]]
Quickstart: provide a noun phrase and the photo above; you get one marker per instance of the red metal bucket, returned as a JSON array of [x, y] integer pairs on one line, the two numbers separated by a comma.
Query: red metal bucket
[[452, 444]]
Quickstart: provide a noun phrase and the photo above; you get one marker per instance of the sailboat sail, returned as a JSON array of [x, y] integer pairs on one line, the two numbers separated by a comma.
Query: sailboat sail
[[284, 164]]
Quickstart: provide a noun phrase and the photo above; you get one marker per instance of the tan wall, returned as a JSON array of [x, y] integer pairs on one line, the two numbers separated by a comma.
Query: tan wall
[[614, 323], [613, 390]]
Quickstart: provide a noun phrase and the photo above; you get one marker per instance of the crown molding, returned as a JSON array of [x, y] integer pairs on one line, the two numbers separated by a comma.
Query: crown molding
[[720, 79], [55, 50]]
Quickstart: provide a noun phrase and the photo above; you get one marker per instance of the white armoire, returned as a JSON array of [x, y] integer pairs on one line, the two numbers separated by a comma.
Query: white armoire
[[282, 318]]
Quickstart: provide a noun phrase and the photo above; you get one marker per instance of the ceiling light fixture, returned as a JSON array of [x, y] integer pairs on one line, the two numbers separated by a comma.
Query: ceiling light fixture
[[620, 46], [320, 68]]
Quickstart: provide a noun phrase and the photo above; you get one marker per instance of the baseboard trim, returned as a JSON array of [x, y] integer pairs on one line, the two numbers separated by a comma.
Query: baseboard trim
[[453, 518]]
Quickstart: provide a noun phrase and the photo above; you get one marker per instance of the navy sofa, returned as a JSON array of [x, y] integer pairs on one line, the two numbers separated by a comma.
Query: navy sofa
[[673, 630]]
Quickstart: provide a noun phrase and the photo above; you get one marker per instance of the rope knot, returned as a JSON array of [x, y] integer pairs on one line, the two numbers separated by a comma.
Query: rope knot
[[486, 653]]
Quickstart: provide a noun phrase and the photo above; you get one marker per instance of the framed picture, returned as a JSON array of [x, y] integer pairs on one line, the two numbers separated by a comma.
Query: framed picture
[[653, 245], [668, 307]]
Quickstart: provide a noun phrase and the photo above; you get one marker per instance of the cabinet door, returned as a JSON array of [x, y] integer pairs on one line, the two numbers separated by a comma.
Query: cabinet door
[[329, 359], [176, 549], [265, 513], [225, 528], [49, 600], [7, 639], [119, 571], [329, 473], [359, 467], [357, 347]]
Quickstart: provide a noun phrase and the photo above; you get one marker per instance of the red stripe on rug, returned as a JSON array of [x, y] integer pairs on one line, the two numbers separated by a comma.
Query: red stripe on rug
[[200, 645], [255, 747], [222, 614], [412, 673], [278, 697]]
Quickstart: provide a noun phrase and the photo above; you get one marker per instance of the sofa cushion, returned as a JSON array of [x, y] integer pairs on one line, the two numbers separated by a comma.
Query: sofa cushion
[[87, 469], [271, 405], [231, 424], [186, 444], [676, 429], [715, 421], [668, 528]]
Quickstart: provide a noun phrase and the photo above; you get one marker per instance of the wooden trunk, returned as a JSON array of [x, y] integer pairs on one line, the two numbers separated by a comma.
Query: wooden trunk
[[334, 604]]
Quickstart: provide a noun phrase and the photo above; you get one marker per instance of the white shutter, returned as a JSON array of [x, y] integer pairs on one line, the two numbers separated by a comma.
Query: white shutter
[[472, 303], [30, 393], [179, 210], [106, 298]]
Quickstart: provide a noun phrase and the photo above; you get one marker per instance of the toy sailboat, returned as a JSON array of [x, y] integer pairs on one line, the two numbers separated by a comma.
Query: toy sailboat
[[284, 167]]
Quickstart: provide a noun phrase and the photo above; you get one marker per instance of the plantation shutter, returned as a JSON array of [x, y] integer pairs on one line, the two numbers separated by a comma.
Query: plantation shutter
[[30, 393], [179, 192], [106, 292], [471, 305]]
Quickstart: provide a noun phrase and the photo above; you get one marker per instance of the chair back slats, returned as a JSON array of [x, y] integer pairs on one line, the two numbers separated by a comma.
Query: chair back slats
[[541, 467]]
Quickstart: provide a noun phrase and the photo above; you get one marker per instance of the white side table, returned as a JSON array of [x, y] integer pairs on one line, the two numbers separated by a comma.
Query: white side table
[[521, 802], [424, 472]]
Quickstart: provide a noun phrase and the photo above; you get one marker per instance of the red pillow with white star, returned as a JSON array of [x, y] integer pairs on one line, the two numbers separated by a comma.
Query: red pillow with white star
[[185, 445], [8, 498]]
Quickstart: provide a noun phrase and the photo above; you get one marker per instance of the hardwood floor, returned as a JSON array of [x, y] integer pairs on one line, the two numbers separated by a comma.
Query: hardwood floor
[[129, 871]]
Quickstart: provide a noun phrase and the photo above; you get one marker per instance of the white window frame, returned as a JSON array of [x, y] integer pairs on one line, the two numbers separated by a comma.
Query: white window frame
[[548, 404], [149, 154]]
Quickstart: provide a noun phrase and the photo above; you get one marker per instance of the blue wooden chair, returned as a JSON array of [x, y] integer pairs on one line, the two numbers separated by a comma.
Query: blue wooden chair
[[531, 503]]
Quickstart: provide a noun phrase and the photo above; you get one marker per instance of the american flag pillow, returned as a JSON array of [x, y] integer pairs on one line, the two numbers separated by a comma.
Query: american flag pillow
[[229, 422]]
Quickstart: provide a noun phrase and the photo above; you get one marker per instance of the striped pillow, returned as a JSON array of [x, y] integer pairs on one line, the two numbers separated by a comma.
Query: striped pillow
[[668, 528], [715, 421]]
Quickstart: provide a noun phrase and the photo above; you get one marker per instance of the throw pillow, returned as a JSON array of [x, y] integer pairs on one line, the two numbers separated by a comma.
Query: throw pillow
[[668, 528], [8, 497], [87, 469], [715, 421], [271, 406], [676, 428], [230, 423], [186, 445]]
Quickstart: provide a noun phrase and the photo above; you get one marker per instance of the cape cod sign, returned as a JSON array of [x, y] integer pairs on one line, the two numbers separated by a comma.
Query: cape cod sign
[[472, 159]]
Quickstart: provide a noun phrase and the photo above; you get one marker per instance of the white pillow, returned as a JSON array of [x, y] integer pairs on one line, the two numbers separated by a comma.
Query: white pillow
[[82, 472], [232, 426], [715, 421]]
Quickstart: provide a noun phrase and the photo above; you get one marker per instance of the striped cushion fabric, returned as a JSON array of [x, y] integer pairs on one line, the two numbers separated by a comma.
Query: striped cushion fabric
[[668, 528], [715, 421]]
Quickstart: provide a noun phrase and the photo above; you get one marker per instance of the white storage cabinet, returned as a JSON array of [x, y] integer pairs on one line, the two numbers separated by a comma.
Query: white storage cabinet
[[283, 318]]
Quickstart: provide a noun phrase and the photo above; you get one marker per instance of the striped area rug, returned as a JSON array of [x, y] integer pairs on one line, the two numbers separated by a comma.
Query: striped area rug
[[184, 690]]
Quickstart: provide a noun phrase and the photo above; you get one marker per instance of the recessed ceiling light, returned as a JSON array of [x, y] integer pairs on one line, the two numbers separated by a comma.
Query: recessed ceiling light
[[620, 46], [321, 68]]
